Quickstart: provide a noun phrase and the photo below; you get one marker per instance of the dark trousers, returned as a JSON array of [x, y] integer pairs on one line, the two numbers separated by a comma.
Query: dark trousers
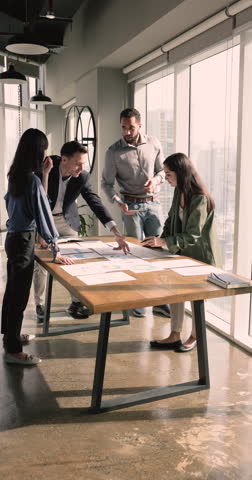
[[20, 253]]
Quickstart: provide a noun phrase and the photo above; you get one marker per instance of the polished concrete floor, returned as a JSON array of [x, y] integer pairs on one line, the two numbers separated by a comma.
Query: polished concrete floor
[[46, 432]]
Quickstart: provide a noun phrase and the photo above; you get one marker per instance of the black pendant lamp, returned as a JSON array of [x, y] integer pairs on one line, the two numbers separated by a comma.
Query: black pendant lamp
[[11, 76], [40, 99]]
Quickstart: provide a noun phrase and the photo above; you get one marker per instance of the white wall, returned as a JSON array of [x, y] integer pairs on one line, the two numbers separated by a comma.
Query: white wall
[[55, 121]]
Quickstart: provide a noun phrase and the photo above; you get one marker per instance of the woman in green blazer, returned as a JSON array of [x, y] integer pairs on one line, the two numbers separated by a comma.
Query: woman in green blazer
[[188, 231]]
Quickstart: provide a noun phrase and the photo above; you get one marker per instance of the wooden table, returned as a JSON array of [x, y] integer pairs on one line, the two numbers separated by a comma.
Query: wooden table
[[160, 287]]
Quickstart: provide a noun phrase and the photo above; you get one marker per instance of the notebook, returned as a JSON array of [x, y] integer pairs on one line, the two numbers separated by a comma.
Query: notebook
[[227, 280]]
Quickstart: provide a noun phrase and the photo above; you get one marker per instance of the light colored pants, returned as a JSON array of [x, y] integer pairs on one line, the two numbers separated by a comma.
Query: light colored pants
[[147, 222], [40, 274], [177, 317]]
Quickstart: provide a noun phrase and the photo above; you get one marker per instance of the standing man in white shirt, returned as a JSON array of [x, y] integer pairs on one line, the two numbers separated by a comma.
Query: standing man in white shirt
[[136, 163]]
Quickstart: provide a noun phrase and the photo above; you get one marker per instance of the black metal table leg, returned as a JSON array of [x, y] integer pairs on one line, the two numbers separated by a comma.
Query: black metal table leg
[[48, 298], [199, 312], [202, 383], [101, 356]]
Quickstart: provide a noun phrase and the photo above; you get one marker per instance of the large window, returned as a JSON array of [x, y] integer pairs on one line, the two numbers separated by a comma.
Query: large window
[[11, 94], [155, 102], [16, 115], [213, 146], [12, 120]]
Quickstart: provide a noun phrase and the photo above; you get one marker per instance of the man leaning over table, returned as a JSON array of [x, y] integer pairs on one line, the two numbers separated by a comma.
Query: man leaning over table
[[136, 163], [64, 178]]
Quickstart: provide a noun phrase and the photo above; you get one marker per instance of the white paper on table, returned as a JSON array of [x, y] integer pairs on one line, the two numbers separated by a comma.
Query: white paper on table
[[115, 255], [106, 250], [124, 258], [120, 264], [180, 263], [67, 250], [109, 251], [84, 255], [105, 278], [148, 267], [78, 240], [88, 268], [94, 244], [203, 270], [119, 256], [148, 253]]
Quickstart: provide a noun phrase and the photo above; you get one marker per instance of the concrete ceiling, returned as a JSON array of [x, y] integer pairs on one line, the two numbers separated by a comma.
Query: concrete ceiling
[[186, 15], [14, 14]]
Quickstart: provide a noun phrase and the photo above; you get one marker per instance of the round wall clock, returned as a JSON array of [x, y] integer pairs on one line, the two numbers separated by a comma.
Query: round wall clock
[[80, 126]]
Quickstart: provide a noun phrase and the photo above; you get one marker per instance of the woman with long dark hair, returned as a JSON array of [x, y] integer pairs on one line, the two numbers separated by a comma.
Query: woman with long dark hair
[[188, 231], [28, 210]]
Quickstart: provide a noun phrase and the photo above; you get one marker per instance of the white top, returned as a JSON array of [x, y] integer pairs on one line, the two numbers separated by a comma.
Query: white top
[[181, 213], [58, 208]]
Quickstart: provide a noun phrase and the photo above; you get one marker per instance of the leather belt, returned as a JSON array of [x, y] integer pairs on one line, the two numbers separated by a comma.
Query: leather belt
[[140, 199], [57, 214]]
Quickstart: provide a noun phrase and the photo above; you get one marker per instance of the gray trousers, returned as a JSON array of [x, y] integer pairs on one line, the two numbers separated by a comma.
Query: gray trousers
[[40, 274]]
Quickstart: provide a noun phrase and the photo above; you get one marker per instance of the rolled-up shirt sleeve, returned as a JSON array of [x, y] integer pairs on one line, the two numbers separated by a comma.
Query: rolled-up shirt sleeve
[[159, 174], [42, 213]]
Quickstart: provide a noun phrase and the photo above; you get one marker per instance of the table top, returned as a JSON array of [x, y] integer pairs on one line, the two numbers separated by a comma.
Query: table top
[[148, 289]]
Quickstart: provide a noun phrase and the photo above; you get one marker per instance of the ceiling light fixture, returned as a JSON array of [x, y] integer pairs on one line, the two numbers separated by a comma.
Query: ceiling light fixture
[[50, 15], [11, 76], [26, 44], [41, 99]]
